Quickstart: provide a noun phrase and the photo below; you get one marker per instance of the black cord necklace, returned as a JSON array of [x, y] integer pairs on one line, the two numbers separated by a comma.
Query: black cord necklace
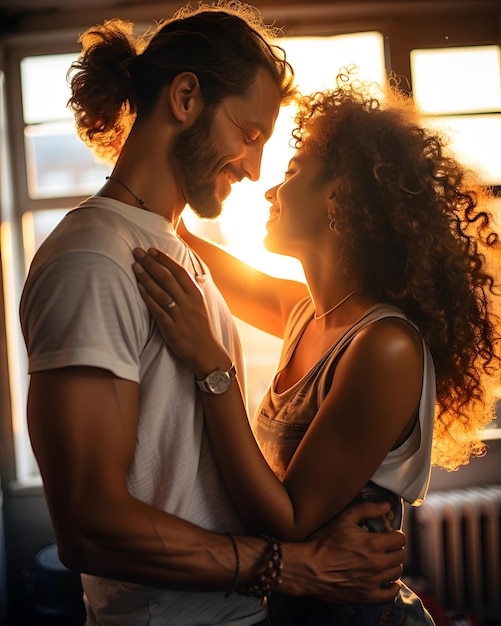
[[143, 204], [199, 276]]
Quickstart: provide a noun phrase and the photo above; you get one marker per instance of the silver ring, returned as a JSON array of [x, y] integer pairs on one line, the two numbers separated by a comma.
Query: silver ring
[[171, 305]]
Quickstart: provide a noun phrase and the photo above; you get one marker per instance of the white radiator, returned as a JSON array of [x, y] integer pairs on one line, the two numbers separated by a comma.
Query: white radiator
[[459, 549]]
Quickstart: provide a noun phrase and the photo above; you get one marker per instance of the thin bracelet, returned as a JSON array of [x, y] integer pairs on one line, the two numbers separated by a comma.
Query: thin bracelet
[[237, 567]]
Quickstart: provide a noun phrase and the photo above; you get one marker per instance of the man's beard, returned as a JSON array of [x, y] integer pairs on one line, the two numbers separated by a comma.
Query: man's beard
[[199, 162]]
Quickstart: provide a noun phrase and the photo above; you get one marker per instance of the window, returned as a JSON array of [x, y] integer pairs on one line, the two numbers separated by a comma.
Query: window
[[460, 89], [54, 170], [58, 164]]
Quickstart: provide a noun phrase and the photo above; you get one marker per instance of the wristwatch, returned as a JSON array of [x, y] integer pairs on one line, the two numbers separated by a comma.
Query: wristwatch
[[218, 381]]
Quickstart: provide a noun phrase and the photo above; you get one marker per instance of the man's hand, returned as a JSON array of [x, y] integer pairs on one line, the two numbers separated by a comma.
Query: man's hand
[[345, 564]]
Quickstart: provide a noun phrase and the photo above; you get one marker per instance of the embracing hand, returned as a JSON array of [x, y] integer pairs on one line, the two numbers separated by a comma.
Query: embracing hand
[[177, 304], [346, 564]]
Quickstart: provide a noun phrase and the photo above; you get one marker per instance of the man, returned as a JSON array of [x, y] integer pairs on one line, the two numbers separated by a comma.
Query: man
[[115, 419]]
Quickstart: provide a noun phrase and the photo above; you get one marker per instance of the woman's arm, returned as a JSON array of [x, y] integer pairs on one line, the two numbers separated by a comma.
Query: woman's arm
[[373, 397], [253, 296]]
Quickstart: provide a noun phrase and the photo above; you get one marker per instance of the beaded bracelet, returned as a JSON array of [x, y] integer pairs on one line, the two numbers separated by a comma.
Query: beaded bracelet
[[237, 567], [272, 575]]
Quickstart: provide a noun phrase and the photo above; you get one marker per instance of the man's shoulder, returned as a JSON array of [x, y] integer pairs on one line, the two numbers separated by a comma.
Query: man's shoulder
[[92, 226], [87, 230]]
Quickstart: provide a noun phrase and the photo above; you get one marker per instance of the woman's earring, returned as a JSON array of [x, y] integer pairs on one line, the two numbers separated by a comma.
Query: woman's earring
[[330, 214]]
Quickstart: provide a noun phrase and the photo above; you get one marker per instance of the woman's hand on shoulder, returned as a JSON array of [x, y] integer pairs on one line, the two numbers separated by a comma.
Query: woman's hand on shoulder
[[177, 304]]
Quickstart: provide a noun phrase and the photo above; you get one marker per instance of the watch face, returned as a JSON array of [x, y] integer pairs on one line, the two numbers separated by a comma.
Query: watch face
[[218, 382]]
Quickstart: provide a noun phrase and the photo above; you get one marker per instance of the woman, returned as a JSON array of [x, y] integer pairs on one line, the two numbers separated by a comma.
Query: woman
[[395, 321]]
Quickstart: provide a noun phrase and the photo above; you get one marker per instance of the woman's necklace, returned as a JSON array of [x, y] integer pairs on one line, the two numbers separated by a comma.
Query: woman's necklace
[[199, 276], [319, 317]]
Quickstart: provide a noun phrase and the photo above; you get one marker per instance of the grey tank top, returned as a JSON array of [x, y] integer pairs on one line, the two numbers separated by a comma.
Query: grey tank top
[[282, 419]]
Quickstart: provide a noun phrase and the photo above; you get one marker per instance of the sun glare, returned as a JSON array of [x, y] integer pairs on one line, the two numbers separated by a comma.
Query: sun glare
[[316, 61], [442, 82]]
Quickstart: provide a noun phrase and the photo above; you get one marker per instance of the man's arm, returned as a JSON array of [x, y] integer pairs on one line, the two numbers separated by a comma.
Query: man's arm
[[82, 424]]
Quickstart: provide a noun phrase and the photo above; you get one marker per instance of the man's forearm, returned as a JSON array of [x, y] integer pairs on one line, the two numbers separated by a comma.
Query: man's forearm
[[138, 543], [342, 564]]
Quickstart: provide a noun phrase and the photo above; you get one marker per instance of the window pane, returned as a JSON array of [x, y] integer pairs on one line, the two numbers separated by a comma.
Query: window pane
[[457, 80], [59, 164], [44, 88], [476, 142], [318, 60]]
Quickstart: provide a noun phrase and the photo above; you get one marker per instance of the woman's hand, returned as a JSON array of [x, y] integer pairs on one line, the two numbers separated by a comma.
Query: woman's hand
[[177, 304]]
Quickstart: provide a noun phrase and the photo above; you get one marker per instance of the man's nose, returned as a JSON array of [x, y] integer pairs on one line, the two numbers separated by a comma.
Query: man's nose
[[251, 163]]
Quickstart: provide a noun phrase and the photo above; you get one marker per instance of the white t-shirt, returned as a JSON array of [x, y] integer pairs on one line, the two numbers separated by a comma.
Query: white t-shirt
[[81, 306]]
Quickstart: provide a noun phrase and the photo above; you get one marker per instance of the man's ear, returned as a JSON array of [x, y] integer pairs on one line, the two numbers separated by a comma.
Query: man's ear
[[185, 97]]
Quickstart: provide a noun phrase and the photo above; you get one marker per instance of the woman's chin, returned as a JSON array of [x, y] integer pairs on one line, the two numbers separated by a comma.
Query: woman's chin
[[270, 243]]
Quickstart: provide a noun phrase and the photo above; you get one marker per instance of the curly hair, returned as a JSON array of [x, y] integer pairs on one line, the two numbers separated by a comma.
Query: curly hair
[[416, 233], [119, 76]]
